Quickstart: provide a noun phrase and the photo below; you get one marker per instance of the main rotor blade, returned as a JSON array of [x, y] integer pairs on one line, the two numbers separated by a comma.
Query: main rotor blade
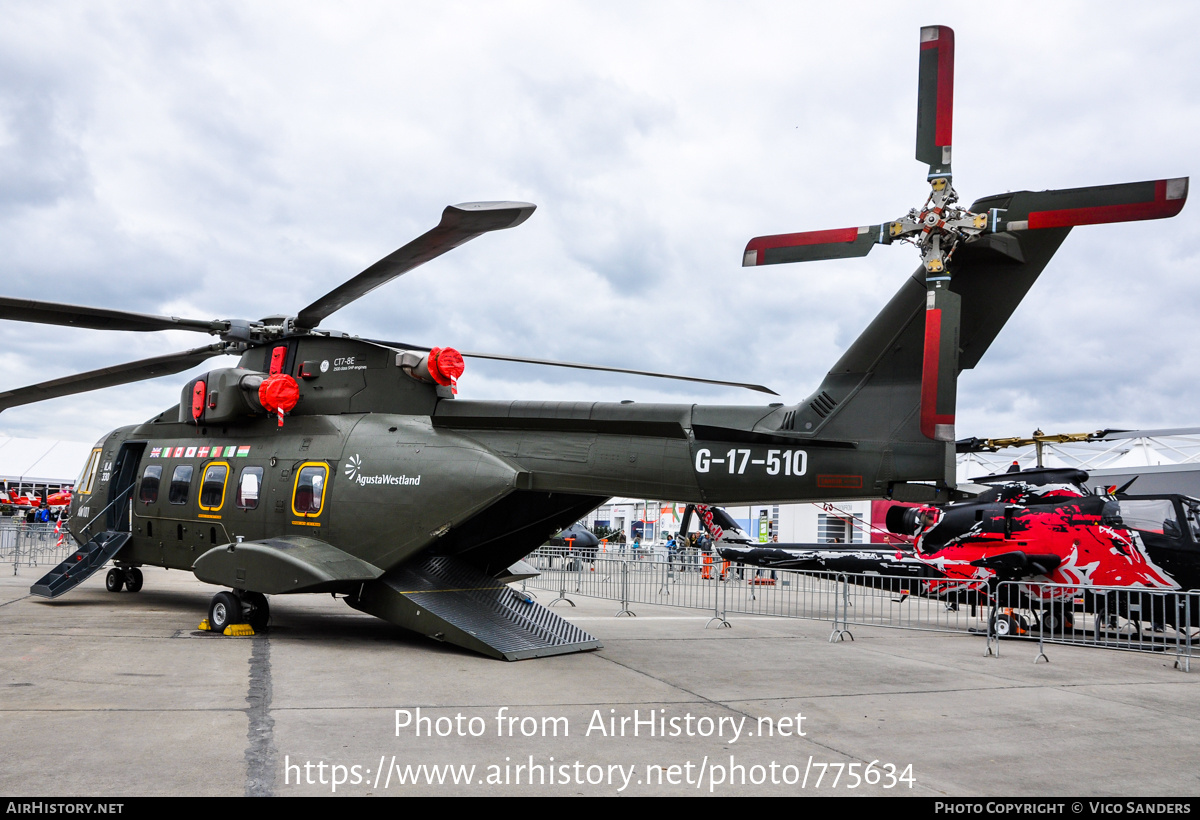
[[935, 99], [809, 246], [460, 223], [1128, 202], [578, 366], [110, 376], [54, 313]]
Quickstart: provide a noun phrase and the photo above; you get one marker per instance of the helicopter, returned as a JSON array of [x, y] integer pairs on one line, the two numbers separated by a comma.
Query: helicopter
[[576, 540], [328, 463], [1042, 525]]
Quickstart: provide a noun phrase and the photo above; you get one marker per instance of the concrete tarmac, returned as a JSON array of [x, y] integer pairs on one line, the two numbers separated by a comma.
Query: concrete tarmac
[[120, 695]]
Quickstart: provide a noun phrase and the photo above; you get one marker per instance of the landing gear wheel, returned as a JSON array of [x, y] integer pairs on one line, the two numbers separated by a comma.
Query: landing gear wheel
[[225, 610], [260, 610], [114, 580], [1057, 620], [133, 579], [1005, 625]]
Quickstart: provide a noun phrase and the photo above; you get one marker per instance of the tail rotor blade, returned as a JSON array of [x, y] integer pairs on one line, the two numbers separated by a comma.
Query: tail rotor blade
[[939, 369], [810, 246], [1066, 208], [935, 99]]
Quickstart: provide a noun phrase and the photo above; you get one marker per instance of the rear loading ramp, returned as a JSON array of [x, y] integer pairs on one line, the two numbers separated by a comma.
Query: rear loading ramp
[[80, 565], [449, 600]]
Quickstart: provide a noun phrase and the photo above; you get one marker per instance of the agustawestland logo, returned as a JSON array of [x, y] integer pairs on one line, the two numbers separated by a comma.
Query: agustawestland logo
[[354, 472]]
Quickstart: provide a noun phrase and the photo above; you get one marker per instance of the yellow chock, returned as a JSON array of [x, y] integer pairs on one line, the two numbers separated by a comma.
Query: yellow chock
[[239, 630], [205, 626]]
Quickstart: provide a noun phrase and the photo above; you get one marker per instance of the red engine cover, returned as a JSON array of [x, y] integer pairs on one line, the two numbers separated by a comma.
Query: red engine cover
[[278, 394]]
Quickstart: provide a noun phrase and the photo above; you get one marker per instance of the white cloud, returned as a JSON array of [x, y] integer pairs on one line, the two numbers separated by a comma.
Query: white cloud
[[233, 160]]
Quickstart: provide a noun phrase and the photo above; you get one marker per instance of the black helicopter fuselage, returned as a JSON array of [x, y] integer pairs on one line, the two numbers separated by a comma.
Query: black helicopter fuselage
[[384, 467]]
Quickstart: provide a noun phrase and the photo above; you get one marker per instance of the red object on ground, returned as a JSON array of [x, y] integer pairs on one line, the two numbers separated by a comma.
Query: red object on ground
[[278, 394]]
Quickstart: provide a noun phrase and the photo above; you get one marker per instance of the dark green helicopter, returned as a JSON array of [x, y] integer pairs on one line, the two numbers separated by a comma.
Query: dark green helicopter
[[329, 463]]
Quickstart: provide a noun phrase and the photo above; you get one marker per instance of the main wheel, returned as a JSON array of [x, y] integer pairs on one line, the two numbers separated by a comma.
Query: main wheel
[[1057, 620], [133, 579], [225, 610], [114, 580], [260, 610], [1005, 625]]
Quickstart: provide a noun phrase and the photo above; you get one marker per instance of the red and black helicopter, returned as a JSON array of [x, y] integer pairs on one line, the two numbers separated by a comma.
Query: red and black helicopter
[[1043, 526]]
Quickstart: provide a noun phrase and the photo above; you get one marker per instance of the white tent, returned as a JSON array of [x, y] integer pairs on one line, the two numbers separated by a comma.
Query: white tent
[[41, 461]]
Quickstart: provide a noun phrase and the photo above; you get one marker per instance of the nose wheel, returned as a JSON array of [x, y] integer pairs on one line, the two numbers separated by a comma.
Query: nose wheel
[[129, 578], [224, 611], [133, 579]]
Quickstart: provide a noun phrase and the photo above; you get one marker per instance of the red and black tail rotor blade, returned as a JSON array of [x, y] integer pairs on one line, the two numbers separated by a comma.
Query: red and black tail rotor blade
[[939, 362], [810, 246], [1066, 208], [935, 99]]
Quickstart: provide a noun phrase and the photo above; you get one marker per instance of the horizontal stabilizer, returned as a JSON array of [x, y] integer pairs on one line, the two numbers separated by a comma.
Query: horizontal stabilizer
[[275, 566], [1015, 565], [858, 559]]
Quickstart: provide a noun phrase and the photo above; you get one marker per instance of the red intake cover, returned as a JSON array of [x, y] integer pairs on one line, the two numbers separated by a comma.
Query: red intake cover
[[446, 365], [279, 393]]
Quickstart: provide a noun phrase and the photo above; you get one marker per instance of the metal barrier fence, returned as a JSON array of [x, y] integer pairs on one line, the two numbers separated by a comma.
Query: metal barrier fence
[[723, 588], [1123, 618], [1106, 617], [33, 545]]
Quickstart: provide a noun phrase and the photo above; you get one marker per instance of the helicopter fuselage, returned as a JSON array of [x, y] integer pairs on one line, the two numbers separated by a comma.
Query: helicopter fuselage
[[486, 480]]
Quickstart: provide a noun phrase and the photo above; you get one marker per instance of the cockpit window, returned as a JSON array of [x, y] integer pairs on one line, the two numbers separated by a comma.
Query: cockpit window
[[89, 473], [1192, 510], [1153, 515]]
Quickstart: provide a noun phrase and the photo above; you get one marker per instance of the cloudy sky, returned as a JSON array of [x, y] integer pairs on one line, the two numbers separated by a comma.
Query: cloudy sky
[[218, 160]]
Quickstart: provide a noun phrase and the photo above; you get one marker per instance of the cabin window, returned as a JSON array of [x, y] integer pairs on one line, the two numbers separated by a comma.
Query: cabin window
[[309, 494], [150, 481], [89, 473], [212, 489], [248, 487], [181, 481]]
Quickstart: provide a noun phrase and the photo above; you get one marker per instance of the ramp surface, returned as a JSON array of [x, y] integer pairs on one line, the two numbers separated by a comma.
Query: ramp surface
[[452, 601], [80, 565]]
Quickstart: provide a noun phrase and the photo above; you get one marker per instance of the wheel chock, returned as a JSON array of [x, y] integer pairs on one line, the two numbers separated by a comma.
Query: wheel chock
[[233, 630]]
